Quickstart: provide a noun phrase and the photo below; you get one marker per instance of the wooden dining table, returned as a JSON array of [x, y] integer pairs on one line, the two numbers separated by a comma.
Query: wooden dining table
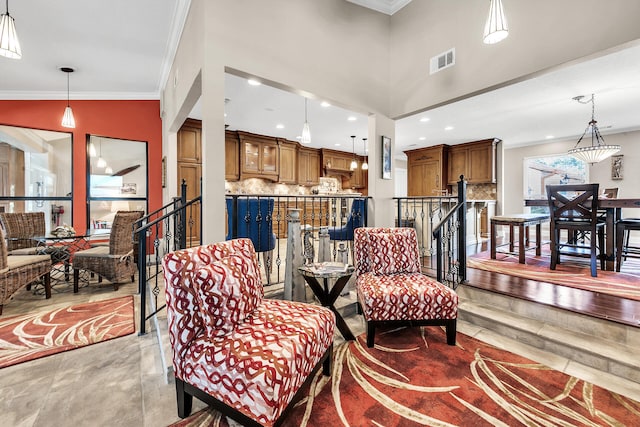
[[613, 209]]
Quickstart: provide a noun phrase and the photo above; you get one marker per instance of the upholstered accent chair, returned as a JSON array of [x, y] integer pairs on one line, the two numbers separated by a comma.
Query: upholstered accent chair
[[115, 262], [20, 229], [247, 356], [391, 287], [18, 271]]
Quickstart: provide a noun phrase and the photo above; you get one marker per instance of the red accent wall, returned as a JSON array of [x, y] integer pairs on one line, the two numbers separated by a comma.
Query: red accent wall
[[135, 120]]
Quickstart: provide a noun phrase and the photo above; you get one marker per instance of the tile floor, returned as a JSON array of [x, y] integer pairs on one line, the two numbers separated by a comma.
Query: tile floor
[[121, 382]]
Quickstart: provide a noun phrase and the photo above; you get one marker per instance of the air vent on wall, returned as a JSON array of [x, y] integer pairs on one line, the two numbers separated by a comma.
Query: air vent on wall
[[444, 60]]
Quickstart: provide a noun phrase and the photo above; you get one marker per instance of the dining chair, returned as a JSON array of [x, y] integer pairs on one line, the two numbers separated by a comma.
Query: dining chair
[[357, 218], [252, 217], [624, 248], [20, 229], [574, 208], [114, 262]]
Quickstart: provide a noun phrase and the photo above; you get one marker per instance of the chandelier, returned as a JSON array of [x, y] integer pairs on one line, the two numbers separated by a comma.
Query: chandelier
[[598, 150]]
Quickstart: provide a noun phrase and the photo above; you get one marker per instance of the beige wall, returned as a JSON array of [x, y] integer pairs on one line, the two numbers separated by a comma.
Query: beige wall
[[512, 201], [369, 62], [543, 34]]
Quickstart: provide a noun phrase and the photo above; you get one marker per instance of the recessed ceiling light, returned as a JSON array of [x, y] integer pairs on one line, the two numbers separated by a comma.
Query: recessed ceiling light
[[425, 119], [549, 137], [422, 138], [352, 118], [337, 144], [254, 82], [279, 126], [449, 128], [325, 104], [298, 137]]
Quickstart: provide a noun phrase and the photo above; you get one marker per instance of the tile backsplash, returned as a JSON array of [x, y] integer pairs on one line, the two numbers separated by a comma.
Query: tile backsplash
[[261, 186], [479, 191]]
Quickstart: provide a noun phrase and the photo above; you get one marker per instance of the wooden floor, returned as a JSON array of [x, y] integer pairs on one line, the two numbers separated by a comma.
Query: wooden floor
[[613, 308]]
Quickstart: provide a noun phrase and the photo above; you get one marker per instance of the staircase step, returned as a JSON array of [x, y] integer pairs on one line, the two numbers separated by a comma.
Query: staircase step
[[594, 351]]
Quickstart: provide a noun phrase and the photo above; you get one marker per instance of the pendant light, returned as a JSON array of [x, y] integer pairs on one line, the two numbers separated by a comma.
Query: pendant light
[[67, 119], [108, 170], [9, 44], [365, 165], [354, 163], [495, 29], [92, 150], [306, 133], [598, 150]]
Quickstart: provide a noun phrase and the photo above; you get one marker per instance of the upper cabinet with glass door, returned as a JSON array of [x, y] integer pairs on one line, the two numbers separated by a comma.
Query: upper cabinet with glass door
[[258, 156], [36, 173]]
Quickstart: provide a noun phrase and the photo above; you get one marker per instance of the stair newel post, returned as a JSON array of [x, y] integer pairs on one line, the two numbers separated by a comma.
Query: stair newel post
[[462, 230], [142, 277]]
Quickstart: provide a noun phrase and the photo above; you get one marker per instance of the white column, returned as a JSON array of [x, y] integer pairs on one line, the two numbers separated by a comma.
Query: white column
[[381, 206], [294, 285]]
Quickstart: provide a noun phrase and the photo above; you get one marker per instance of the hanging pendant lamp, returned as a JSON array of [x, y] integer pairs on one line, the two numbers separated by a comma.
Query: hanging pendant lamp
[[495, 29], [67, 118], [354, 163], [306, 133], [365, 165], [9, 44], [598, 150]]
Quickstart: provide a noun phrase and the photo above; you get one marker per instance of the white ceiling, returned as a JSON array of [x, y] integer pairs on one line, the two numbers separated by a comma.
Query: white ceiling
[[121, 50]]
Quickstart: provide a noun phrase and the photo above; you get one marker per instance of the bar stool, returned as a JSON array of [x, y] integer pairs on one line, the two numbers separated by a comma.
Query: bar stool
[[623, 248]]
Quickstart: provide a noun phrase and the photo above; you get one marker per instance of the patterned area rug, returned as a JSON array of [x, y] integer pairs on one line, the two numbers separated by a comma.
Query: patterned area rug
[[34, 335], [572, 272], [412, 377]]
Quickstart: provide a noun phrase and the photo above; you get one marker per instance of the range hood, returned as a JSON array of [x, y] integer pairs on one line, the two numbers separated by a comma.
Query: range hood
[[331, 171]]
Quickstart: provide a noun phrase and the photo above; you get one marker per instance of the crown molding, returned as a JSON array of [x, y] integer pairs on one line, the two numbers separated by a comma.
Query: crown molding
[[180, 13], [388, 7], [78, 96]]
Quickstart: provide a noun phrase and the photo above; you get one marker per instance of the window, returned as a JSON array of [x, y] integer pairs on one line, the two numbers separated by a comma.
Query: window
[[557, 169], [36, 173], [117, 178]]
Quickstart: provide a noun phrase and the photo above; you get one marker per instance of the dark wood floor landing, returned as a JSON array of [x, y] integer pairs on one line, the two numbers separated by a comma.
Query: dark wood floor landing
[[595, 304]]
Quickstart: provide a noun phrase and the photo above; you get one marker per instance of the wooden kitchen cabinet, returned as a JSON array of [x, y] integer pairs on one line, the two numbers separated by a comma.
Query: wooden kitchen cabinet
[[189, 142], [288, 161], [359, 177], [427, 171], [231, 156], [258, 156], [475, 160], [308, 166]]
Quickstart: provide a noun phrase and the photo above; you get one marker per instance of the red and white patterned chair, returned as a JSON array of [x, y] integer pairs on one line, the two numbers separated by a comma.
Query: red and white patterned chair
[[246, 356], [391, 287]]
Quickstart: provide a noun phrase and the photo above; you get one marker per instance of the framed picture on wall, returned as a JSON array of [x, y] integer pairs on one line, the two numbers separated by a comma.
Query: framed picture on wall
[[386, 157], [617, 162]]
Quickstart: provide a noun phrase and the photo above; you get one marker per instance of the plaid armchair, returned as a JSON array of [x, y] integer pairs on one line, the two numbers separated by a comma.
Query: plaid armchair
[[390, 284], [246, 356], [18, 271]]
